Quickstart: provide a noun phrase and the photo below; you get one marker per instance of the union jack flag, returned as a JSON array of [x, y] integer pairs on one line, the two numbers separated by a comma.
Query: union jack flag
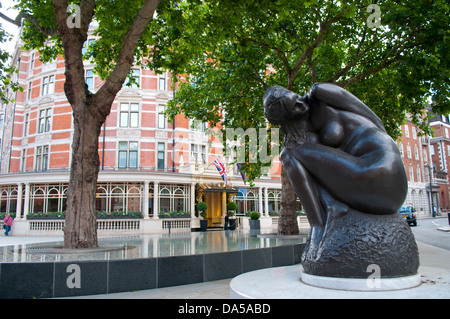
[[221, 168]]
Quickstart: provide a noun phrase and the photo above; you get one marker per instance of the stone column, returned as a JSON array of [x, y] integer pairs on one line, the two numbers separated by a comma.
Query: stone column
[[266, 202], [26, 204], [260, 205], [155, 200], [145, 201], [19, 202], [192, 199]]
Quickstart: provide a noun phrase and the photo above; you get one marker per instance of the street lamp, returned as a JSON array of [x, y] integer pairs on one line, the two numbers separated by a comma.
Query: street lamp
[[433, 213]]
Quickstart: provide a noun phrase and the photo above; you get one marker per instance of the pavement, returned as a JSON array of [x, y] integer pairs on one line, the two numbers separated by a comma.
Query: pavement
[[434, 269]]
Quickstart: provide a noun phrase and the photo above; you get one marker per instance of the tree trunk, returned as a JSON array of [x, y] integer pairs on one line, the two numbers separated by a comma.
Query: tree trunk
[[287, 223], [80, 229]]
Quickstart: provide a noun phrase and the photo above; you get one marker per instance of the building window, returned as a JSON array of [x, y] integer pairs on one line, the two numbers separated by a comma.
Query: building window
[[128, 154], [197, 125], [48, 85], [416, 152], [42, 158], [161, 116], [198, 153], [32, 62], [44, 120], [30, 85], [411, 174], [129, 115], [408, 150], [133, 79], [406, 130], [414, 133], [2, 119], [419, 176], [23, 165], [162, 82], [400, 147], [161, 155], [90, 79], [25, 124]]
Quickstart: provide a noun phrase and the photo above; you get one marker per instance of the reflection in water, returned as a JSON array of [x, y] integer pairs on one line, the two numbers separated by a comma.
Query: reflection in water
[[157, 245]]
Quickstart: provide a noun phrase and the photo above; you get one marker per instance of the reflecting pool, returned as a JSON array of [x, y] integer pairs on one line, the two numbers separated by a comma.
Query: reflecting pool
[[147, 246]]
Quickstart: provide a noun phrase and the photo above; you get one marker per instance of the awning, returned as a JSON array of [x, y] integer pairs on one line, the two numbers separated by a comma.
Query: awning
[[211, 188]]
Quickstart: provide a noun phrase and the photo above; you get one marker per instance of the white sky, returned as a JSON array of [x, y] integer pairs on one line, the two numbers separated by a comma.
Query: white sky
[[9, 27]]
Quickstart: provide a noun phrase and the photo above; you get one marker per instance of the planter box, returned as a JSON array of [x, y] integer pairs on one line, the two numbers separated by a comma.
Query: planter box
[[232, 224], [255, 224], [203, 224]]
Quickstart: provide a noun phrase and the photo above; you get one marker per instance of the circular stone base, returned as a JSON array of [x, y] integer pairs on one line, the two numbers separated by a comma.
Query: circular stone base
[[359, 284], [62, 250], [286, 283]]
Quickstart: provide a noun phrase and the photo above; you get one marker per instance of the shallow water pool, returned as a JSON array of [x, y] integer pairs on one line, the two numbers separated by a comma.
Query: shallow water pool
[[148, 246]]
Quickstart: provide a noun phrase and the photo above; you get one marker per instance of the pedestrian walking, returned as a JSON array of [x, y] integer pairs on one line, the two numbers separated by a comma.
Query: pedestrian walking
[[7, 223]]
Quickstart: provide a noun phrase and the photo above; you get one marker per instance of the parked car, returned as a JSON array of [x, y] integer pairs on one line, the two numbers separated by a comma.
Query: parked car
[[409, 214]]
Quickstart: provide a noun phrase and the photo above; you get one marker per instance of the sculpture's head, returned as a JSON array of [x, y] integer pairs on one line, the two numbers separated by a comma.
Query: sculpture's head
[[282, 105]]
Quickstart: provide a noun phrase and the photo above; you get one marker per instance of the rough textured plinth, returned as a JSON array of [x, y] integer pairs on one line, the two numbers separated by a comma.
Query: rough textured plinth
[[350, 241]]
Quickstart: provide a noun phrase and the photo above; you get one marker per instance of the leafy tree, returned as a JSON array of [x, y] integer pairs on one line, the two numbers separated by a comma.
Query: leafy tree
[[6, 70], [231, 51], [60, 27]]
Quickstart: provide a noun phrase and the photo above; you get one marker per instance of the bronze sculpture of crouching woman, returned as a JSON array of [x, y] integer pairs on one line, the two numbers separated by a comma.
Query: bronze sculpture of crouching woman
[[349, 176]]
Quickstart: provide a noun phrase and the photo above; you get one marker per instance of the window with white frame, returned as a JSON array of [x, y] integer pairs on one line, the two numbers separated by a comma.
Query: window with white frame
[[400, 147], [411, 174], [30, 87], [161, 116], [197, 125], [42, 158], [129, 115], [32, 61], [414, 133], [89, 76], [134, 79], [408, 150], [128, 154], [198, 153], [416, 152], [161, 155], [162, 82], [419, 176], [406, 130], [44, 120], [48, 85], [23, 163], [25, 124]]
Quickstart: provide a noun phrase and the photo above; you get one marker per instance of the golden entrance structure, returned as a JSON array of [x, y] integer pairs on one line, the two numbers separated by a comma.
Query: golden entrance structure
[[216, 196]]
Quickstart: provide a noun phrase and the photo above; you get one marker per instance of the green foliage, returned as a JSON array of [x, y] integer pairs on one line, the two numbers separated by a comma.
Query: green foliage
[[6, 70], [255, 215], [225, 48], [202, 207], [232, 206]]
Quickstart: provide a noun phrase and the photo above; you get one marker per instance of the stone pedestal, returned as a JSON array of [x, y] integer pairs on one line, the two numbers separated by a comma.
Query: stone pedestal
[[352, 244]]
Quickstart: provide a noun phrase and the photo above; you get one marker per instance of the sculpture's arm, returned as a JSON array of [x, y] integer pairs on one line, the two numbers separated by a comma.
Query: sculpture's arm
[[340, 98]]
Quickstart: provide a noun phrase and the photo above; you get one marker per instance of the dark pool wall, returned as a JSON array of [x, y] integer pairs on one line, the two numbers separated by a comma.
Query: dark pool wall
[[63, 279]]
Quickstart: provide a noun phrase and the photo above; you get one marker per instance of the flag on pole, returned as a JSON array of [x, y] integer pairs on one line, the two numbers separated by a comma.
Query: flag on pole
[[221, 168]]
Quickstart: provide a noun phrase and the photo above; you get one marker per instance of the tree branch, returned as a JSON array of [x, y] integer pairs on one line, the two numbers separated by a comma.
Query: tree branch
[[18, 22], [309, 50], [114, 83]]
